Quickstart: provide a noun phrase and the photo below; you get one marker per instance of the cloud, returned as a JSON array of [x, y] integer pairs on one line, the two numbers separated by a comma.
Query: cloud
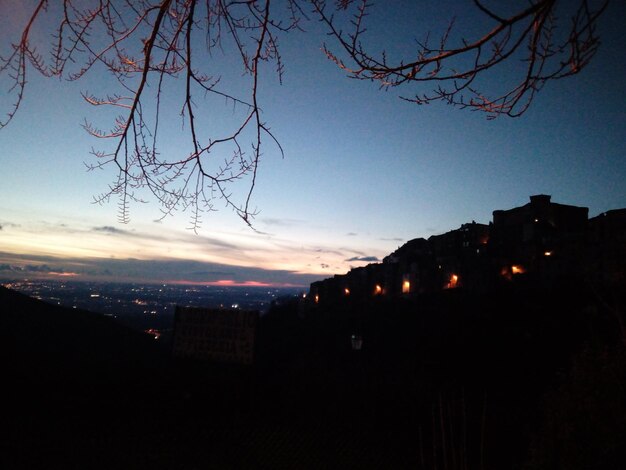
[[391, 239], [351, 234], [109, 229], [369, 259], [213, 273], [328, 251], [42, 268], [198, 240], [215, 242], [4, 224], [155, 270], [30, 269], [280, 222]]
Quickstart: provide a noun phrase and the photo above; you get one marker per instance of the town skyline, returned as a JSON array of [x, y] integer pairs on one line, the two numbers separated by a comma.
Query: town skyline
[[15, 267]]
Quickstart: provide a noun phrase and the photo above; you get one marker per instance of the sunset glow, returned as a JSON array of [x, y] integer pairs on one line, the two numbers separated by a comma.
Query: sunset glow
[[229, 283]]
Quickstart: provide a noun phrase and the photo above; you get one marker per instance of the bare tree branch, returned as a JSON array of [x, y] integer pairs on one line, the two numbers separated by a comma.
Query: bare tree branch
[[149, 47], [145, 45], [527, 35]]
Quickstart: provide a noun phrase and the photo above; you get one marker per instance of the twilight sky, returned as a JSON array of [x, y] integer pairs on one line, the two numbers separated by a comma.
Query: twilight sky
[[363, 171]]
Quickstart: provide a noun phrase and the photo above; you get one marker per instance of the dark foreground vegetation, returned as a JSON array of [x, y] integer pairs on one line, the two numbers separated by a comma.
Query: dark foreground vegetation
[[523, 379]]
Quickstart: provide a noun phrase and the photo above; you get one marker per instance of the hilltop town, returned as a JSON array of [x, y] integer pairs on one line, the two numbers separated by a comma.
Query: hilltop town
[[540, 243]]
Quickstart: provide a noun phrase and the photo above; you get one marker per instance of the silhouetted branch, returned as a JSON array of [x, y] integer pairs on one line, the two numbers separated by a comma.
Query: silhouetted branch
[[142, 45], [528, 35], [146, 46]]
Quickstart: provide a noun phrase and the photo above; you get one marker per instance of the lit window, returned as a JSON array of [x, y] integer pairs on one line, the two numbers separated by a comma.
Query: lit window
[[454, 280], [346, 291], [406, 287], [378, 290], [547, 253], [317, 298], [516, 269]]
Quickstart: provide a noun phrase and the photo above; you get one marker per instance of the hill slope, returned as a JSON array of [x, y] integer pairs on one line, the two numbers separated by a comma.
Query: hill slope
[[46, 344], [503, 380]]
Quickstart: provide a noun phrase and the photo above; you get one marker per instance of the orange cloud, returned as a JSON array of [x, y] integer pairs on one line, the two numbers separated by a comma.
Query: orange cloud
[[232, 283]]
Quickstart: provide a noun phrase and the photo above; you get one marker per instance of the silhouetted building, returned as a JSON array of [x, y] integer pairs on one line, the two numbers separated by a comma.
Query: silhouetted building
[[409, 270], [542, 240], [540, 243], [461, 256], [219, 335], [607, 248]]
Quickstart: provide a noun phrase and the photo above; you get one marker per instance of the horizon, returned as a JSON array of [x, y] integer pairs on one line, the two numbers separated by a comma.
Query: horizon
[[9, 281], [114, 270]]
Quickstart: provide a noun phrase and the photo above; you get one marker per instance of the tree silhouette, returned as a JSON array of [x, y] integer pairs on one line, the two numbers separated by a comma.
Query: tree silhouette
[[154, 48], [552, 44]]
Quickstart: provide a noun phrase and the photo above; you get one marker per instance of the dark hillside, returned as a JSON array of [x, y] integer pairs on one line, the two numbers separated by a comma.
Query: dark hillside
[[46, 344], [457, 381], [71, 378]]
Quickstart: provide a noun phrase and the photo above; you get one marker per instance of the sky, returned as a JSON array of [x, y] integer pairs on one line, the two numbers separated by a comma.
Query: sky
[[362, 173]]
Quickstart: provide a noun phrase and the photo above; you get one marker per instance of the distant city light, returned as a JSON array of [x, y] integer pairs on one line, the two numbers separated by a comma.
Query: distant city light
[[156, 334], [156, 308], [516, 269]]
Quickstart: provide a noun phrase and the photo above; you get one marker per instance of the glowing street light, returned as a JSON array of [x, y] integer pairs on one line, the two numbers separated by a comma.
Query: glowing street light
[[516, 269]]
